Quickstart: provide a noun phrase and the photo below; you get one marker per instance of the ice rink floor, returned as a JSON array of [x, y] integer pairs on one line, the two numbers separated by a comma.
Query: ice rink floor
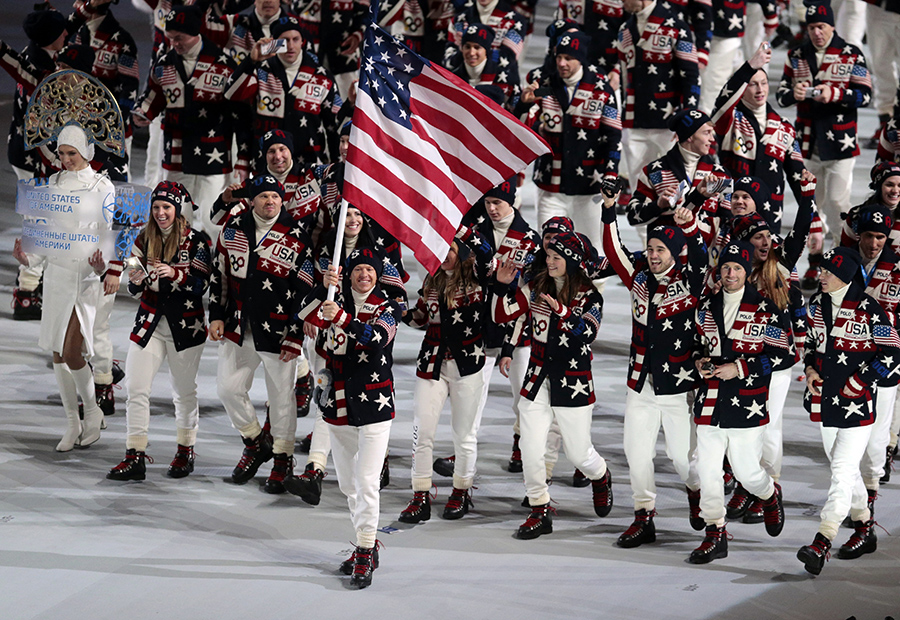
[[75, 545]]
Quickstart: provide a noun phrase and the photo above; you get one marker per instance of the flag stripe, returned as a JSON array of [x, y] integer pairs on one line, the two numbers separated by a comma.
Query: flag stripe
[[425, 146]]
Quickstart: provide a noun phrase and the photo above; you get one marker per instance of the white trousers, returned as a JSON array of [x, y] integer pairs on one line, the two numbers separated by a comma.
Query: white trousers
[[640, 147], [773, 437], [102, 360], [204, 190], [722, 52], [141, 367], [844, 447], [153, 167], [744, 449], [430, 396], [834, 181], [895, 425], [584, 213], [358, 453], [850, 20], [535, 418], [872, 464], [235, 377], [645, 412], [516, 378], [881, 33], [754, 30], [320, 445]]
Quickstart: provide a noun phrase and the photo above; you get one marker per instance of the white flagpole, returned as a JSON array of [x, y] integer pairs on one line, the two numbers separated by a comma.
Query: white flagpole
[[338, 245]]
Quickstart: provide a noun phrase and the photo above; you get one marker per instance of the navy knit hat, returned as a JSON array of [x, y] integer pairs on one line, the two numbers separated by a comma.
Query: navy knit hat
[[492, 92], [479, 34], [739, 252], [365, 256], [671, 237], [880, 173], [265, 183], [186, 19], [575, 44], [505, 191], [875, 218], [743, 227], [276, 136], [819, 12], [843, 262], [174, 193], [346, 127], [79, 57], [44, 27], [754, 186], [687, 122], [557, 224], [286, 23], [571, 247], [556, 28]]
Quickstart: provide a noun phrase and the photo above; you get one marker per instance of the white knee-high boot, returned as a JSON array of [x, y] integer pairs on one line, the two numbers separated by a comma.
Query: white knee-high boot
[[69, 396], [93, 416]]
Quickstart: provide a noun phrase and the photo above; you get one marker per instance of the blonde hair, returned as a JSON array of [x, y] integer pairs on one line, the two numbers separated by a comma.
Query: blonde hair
[[769, 279]]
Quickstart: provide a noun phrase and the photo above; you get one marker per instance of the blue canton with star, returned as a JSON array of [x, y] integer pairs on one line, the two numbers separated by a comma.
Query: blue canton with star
[[387, 69]]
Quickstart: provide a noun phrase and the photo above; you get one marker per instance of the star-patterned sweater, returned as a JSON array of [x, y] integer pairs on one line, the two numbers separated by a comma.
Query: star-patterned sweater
[[27, 68], [659, 68], [327, 24], [757, 342], [584, 134], [769, 153], [668, 171], [359, 354], [509, 34], [827, 129], [601, 19], [456, 330], [179, 299], [662, 311], [306, 105], [260, 285], [197, 126], [560, 342], [858, 348], [519, 245]]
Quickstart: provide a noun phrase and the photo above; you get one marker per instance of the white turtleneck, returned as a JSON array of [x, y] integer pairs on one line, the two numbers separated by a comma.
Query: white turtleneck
[[475, 72], [837, 298], [691, 159], [263, 226], [501, 227], [359, 300], [560, 283], [643, 15], [820, 52], [189, 58], [94, 24], [267, 23], [291, 70], [572, 81], [282, 177], [350, 244], [730, 310], [485, 11]]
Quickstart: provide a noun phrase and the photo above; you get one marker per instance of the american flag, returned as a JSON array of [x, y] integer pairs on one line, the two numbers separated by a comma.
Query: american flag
[[425, 146], [235, 241]]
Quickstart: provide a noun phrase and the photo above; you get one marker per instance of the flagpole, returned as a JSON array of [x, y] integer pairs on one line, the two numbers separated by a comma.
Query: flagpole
[[338, 245]]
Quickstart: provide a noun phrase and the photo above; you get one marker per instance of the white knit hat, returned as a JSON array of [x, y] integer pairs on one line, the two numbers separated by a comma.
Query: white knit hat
[[74, 136]]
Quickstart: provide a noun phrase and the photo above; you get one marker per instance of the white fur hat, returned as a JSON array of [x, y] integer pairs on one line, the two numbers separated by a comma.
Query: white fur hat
[[74, 136]]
